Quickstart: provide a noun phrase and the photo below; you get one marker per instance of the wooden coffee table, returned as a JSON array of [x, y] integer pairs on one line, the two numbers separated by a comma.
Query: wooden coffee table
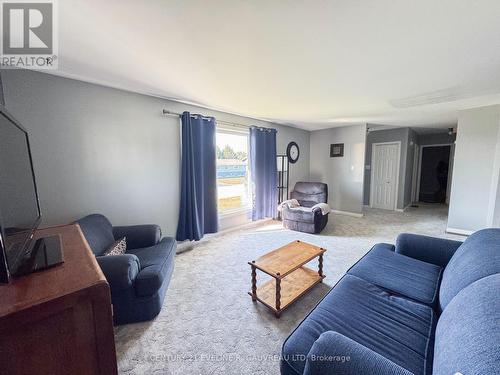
[[291, 278]]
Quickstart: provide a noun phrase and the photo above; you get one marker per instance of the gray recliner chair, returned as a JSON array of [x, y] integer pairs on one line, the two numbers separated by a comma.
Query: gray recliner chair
[[302, 219]]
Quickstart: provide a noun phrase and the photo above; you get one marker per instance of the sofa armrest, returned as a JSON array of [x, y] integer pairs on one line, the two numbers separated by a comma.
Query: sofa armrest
[[138, 235], [334, 353], [152, 277], [120, 270], [316, 211], [433, 250]]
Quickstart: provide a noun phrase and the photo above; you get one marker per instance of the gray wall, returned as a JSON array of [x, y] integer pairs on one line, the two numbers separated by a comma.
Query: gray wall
[[98, 149], [475, 171], [344, 175], [436, 139], [402, 135]]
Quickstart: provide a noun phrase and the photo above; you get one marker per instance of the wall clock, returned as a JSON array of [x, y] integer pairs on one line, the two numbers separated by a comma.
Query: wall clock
[[293, 152]]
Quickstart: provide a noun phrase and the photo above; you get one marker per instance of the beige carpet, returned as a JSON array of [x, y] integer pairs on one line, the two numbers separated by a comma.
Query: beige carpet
[[209, 325]]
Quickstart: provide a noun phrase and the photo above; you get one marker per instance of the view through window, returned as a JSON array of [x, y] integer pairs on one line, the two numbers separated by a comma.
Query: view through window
[[232, 170]]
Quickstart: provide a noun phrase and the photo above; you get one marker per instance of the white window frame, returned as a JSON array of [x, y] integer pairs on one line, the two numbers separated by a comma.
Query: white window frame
[[228, 129]]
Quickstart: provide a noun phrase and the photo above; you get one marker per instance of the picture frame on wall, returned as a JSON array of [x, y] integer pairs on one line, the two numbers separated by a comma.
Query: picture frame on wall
[[336, 150]]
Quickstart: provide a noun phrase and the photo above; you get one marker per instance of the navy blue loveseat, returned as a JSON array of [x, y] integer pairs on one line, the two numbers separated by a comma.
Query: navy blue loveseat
[[424, 306], [139, 278]]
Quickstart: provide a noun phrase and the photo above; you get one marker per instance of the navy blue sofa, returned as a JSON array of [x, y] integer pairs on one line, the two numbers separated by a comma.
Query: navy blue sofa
[[424, 306], [139, 278]]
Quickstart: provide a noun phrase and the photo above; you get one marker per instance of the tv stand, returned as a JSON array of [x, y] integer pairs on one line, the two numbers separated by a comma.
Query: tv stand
[[59, 320], [45, 252]]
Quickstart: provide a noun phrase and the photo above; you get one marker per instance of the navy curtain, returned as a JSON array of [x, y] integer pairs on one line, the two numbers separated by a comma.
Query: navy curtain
[[198, 211], [263, 172]]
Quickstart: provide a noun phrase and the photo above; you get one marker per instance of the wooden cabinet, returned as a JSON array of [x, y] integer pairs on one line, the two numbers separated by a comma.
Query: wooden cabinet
[[59, 321]]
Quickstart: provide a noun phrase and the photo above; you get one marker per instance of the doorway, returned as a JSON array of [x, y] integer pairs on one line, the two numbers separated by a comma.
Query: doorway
[[385, 175], [434, 173]]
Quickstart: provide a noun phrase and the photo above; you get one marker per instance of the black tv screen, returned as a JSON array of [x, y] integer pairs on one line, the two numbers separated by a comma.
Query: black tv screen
[[19, 206]]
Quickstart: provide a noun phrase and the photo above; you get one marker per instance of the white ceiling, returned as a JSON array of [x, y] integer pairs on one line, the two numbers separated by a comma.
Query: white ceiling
[[314, 64]]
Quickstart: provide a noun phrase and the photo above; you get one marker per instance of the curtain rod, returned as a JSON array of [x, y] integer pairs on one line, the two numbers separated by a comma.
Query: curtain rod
[[171, 113]]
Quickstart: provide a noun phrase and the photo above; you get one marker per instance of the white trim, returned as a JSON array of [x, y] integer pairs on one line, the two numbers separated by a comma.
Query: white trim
[[372, 172], [347, 213], [232, 129], [235, 212], [420, 167], [451, 164], [383, 127], [492, 202], [245, 209], [403, 209], [419, 173], [462, 232]]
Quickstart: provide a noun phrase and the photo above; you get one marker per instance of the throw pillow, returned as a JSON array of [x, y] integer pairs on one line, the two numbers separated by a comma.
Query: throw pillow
[[117, 248]]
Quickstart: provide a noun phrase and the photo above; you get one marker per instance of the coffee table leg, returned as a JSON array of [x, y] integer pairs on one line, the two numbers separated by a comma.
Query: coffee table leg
[[320, 266], [254, 284], [278, 298]]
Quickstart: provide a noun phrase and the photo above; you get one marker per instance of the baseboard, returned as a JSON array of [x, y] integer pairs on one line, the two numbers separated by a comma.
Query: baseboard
[[403, 209], [189, 245], [461, 232], [347, 213]]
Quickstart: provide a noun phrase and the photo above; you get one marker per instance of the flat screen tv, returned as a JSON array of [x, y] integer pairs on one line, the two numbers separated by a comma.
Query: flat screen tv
[[19, 206]]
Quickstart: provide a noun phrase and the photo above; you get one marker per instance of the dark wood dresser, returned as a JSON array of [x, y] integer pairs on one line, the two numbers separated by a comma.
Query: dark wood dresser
[[59, 321]]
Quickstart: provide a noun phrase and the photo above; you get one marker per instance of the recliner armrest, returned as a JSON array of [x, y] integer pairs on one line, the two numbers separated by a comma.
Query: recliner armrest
[[120, 270], [433, 250], [138, 235], [334, 353]]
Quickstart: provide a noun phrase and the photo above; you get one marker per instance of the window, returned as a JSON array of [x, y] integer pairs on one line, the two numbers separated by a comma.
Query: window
[[232, 170]]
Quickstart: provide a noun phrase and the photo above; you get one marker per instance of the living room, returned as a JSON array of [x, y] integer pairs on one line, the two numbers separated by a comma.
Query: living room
[[241, 188]]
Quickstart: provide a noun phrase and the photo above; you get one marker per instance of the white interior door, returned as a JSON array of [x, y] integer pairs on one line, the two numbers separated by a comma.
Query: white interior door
[[385, 171]]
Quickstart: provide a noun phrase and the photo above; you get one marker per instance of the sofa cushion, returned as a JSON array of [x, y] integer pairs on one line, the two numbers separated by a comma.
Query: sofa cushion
[[468, 331], [156, 265], [120, 270], [428, 249], [334, 353], [395, 327], [98, 232], [477, 257], [398, 273]]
